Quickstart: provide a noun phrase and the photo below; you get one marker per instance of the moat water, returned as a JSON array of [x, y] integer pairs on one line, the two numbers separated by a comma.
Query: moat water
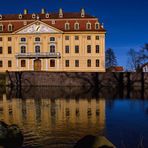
[[58, 117]]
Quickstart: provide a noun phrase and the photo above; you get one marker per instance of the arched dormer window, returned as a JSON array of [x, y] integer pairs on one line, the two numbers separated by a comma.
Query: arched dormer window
[[37, 39], [10, 27], [47, 15], [1, 27], [88, 26], [52, 48], [20, 16], [33, 15], [76, 26], [23, 49], [97, 25], [37, 49], [67, 26], [1, 17]]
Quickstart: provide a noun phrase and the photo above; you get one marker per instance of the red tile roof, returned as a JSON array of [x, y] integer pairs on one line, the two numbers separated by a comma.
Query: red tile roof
[[59, 22]]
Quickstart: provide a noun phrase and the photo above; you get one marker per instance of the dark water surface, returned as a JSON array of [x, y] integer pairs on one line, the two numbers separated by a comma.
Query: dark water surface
[[59, 117]]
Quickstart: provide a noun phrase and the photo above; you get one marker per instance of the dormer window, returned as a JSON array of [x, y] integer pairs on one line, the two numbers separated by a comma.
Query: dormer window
[[97, 25], [1, 27], [10, 27], [88, 26], [47, 15], [37, 39], [76, 26], [33, 15], [1, 17], [20, 16], [67, 26]]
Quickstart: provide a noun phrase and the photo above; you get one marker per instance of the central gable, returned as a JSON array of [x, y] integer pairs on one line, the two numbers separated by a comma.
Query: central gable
[[38, 27]]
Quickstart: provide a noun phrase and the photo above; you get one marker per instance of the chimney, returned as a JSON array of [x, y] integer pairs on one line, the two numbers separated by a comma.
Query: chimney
[[82, 12], [60, 13], [25, 11], [43, 11]]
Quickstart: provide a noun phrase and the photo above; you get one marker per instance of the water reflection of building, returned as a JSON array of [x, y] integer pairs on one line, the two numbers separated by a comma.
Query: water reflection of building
[[54, 114]]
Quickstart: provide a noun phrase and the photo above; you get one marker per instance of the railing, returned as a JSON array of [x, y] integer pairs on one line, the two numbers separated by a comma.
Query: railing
[[38, 55]]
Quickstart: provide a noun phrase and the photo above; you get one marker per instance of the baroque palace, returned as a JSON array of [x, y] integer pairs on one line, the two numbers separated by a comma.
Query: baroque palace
[[68, 42]]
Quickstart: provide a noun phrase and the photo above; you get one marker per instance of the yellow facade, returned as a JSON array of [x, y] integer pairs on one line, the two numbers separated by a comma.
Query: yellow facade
[[78, 62]]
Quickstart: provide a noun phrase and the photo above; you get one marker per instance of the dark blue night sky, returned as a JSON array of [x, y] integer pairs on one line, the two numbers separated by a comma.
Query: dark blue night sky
[[126, 21]]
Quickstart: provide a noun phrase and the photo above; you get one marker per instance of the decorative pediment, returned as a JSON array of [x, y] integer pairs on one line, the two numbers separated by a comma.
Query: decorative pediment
[[38, 27]]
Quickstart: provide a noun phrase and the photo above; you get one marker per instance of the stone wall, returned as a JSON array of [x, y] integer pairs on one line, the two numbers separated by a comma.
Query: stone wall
[[76, 79]]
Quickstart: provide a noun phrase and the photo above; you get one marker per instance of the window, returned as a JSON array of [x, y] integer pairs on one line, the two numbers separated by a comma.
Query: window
[[76, 49], [1, 50], [9, 50], [67, 26], [1, 63], [66, 37], [76, 63], [20, 16], [37, 39], [23, 63], [97, 48], [33, 15], [66, 63], [10, 27], [9, 63], [23, 39], [52, 63], [47, 15], [9, 39], [76, 37], [76, 26], [88, 48], [97, 37], [23, 49], [37, 49], [97, 63], [97, 26], [1, 27], [52, 39], [1, 39], [88, 26], [66, 49], [89, 37], [52, 48], [88, 63]]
